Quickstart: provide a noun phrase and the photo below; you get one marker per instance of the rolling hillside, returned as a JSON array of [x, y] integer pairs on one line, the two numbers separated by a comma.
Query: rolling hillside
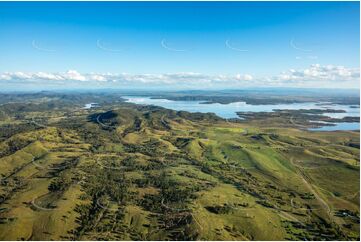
[[127, 172]]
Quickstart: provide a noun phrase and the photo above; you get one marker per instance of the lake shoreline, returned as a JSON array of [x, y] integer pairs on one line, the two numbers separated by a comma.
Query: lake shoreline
[[344, 117]]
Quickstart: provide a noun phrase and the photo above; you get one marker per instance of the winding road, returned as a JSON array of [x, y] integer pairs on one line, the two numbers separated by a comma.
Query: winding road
[[310, 187]]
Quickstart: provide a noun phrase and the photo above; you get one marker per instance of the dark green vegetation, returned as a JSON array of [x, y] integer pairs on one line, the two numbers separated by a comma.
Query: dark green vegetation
[[302, 118], [263, 96], [129, 172]]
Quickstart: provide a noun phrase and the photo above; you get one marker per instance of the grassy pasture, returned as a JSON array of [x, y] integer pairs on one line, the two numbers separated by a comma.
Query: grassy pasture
[[127, 172]]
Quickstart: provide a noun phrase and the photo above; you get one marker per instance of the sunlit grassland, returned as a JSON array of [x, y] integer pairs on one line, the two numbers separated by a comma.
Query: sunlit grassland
[[138, 173]]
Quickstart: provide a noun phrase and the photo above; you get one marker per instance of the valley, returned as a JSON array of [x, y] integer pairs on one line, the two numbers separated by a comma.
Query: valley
[[122, 171]]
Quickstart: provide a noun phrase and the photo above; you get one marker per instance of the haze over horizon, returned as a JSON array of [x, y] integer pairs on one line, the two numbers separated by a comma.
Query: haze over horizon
[[179, 45]]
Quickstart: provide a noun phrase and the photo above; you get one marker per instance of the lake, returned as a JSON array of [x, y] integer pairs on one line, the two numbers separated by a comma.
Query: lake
[[229, 110], [338, 126]]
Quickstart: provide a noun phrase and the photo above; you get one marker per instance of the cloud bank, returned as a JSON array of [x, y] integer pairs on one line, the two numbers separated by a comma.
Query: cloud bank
[[314, 76]]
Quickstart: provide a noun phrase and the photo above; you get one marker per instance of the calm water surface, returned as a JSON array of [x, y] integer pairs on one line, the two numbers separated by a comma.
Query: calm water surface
[[338, 126], [229, 110]]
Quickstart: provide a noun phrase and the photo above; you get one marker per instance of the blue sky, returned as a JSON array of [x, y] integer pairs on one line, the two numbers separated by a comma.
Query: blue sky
[[185, 44]]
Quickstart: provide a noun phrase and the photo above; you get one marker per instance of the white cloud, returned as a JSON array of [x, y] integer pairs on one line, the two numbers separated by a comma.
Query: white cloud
[[74, 75], [5, 77], [21, 75], [47, 76], [99, 78], [316, 72], [247, 77], [314, 76]]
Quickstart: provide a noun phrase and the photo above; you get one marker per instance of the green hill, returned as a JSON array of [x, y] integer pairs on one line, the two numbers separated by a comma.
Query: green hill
[[127, 172]]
